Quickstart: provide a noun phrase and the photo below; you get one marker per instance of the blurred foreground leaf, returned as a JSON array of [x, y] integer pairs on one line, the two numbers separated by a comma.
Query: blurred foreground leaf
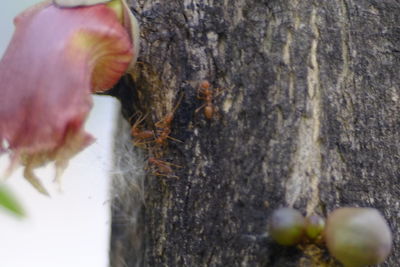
[[10, 202]]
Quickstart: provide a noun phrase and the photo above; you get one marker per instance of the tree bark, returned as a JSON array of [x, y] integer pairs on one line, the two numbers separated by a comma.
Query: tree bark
[[307, 117]]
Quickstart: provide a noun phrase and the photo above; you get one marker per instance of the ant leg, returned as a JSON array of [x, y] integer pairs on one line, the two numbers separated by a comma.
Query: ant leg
[[140, 118], [174, 139], [178, 103], [165, 175], [199, 108], [161, 162], [143, 143], [133, 115], [170, 164], [219, 91], [160, 123]]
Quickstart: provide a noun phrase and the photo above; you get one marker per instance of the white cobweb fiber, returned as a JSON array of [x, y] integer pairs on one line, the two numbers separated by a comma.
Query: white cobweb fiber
[[128, 172], [127, 198]]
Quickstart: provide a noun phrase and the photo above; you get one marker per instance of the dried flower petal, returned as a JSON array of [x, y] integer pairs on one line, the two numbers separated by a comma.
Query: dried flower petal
[[56, 58]]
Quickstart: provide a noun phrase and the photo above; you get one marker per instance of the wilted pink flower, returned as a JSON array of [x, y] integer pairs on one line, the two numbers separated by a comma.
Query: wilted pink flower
[[56, 58]]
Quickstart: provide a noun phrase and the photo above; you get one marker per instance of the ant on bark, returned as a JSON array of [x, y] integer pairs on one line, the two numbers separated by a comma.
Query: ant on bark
[[161, 134], [164, 126], [163, 168], [140, 136], [204, 92]]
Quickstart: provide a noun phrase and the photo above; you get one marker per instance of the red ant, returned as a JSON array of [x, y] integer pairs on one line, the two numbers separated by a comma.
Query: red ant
[[138, 134], [205, 93], [164, 168], [164, 126]]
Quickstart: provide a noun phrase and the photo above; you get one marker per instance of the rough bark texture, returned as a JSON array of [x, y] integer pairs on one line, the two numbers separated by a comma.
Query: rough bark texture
[[308, 117]]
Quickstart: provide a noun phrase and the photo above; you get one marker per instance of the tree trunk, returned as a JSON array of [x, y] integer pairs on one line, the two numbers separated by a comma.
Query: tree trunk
[[306, 117]]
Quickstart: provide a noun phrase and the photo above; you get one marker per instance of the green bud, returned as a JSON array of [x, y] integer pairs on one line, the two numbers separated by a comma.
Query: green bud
[[358, 236], [286, 226], [315, 224]]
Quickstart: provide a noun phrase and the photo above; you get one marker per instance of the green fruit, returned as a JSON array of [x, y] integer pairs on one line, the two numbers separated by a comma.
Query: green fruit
[[358, 236], [315, 224], [286, 226]]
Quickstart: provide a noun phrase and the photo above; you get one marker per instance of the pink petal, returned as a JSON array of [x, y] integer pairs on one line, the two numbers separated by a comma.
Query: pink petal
[[56, 58]]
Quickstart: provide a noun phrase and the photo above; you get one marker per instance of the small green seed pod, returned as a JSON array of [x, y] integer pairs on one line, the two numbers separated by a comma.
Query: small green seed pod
[[315, 224], [287, 226], [358, 236]]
